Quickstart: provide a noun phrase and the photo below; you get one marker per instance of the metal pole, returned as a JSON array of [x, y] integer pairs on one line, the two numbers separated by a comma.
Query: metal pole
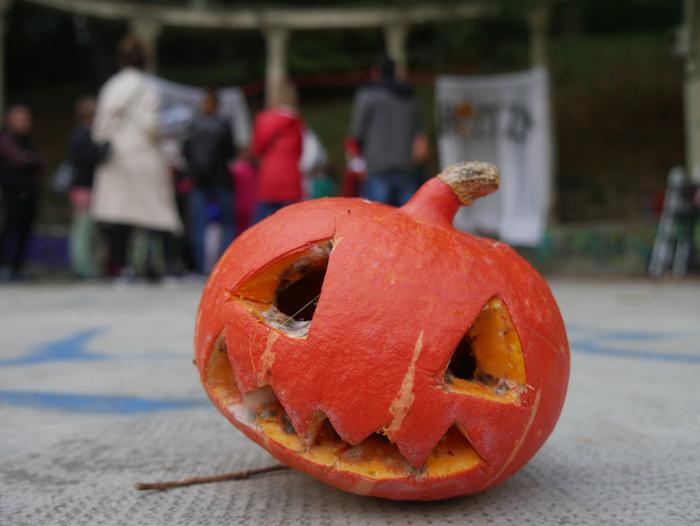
[[691, 88], [539, 20], [395, 37], [4, 6], [276, 39], [149, 30]]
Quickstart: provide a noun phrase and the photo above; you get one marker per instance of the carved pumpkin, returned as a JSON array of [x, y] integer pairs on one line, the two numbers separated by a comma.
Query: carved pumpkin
[[382, 351]]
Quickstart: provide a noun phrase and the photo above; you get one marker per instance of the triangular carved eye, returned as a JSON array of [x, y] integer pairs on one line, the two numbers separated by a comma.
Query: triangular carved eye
[[488, 360], [284, 293]]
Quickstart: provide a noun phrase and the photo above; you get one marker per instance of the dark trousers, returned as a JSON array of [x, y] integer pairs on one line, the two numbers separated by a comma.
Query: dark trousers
[[200, 199], [19, 210], [118, 240], [182, 245], [392, 188], [118, 236]]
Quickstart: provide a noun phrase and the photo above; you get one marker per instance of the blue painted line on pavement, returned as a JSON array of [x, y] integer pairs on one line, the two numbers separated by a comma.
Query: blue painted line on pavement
[[631, 335], [68, 349], [640, 336], [591, 347], [97, 404]]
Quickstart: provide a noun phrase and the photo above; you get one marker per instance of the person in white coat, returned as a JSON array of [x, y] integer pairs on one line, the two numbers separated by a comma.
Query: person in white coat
[[133, 187]]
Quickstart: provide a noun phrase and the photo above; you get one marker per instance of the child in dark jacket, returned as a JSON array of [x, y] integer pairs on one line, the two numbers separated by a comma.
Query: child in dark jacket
[[208, 150], [20, 167], [84, 155]]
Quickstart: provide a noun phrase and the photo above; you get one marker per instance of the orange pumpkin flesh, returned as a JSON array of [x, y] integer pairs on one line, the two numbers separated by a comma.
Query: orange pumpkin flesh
[[382, 351]]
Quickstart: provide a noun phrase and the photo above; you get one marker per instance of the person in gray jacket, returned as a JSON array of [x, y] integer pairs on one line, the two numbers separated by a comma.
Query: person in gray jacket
[[388, 132]]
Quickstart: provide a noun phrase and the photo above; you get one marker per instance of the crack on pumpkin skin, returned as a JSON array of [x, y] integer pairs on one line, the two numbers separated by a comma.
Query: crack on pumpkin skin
[[519, 444], [405, 397], [267, 359], [314, 428], [558, 350], [251, 345]]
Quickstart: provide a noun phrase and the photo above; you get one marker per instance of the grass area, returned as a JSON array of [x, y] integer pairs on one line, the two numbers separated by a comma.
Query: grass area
[[618, 102], [330, 120]]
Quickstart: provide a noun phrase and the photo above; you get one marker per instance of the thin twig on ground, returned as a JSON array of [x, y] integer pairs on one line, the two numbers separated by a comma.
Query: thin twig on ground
[[236, 475]]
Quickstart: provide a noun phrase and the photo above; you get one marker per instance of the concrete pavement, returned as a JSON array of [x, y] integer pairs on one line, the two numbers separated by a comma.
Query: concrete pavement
[[98, 391]]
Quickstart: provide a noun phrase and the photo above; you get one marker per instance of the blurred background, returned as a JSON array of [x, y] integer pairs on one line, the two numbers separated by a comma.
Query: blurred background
[[616, 87]]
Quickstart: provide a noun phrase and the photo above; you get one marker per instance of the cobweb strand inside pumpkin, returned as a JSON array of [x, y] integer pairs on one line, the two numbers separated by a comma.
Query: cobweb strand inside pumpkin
[[376, 457], [298, 300], [284, 293]]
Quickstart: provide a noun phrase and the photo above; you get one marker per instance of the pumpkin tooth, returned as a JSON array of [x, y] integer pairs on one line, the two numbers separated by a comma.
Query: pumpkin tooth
[[452, 448], [314, 428], [417, 452], [249, 346], [480, 416]]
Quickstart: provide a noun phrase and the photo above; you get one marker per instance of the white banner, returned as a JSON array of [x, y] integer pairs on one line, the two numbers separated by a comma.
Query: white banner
[[179, 103], [502, 119]]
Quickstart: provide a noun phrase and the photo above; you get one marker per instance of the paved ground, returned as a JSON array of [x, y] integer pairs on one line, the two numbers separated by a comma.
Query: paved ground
[[97, 391]]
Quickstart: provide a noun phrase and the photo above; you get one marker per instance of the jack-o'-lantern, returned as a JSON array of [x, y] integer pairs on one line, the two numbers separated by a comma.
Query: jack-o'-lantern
[[382, 351]]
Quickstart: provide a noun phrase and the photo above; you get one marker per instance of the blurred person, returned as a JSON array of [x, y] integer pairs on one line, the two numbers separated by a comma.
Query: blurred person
[[244, 176], [208, 150], [20, 168], [355, 169], [324, 184], [84, 154], [174, 122], [313, 164], [133, 187], [182, 249], [277, 143], [387, 131]]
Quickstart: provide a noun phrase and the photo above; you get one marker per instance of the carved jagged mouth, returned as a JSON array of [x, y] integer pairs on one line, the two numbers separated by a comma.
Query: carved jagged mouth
[[375, 457]]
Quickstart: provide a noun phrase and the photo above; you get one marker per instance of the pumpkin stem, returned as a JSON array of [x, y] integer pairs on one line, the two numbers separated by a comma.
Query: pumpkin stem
[[470, 180], [438, 200]]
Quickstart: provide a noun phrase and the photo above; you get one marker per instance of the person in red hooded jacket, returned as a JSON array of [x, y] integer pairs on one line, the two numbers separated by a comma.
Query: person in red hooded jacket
[[277, 143]]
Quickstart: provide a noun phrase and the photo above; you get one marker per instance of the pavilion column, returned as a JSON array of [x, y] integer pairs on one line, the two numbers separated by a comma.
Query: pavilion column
[[691, 87], [276, 40], [4, 6], [395, 36], [149, 30], [539, 22], [539, 28]]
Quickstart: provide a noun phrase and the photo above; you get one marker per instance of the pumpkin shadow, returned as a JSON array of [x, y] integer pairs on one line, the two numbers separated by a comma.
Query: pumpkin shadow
[[516, 493]]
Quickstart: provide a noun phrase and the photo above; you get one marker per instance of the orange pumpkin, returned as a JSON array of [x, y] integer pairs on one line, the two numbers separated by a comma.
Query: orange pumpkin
[[382, 351]]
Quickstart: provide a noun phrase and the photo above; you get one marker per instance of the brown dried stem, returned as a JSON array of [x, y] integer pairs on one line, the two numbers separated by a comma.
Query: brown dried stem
[[470, 180], [236, 475]]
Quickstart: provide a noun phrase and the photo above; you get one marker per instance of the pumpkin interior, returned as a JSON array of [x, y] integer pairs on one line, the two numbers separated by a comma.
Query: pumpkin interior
[[284, 293], [375, 457], [488, 361]]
